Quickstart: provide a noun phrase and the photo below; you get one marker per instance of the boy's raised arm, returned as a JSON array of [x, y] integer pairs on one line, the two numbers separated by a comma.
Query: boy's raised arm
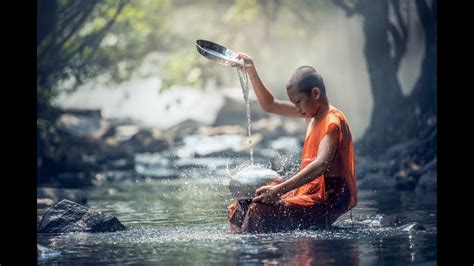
[[265, 98]]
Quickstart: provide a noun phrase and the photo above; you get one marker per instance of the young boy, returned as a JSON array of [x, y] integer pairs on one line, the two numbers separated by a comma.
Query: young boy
[[325, 186]]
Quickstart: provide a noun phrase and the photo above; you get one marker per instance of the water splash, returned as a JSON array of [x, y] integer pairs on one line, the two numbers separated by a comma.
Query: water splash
[[245, 91]]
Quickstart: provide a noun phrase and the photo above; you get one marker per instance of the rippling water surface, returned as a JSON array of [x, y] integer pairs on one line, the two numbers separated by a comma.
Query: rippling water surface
[[183, 221]]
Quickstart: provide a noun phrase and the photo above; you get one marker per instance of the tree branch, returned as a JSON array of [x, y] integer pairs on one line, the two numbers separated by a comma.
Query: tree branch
[[399, 43], [49, 69], [94, 40], [57, 42], [398, 15], [348, 9], [297, 13], [427, 18], [79, 22], [66, 12]]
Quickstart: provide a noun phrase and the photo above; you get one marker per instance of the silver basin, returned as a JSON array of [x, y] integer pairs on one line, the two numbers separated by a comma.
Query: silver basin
[[218, 53]]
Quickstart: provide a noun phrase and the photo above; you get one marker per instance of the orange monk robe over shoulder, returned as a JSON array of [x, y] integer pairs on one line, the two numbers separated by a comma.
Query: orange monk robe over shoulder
[[342, 164]]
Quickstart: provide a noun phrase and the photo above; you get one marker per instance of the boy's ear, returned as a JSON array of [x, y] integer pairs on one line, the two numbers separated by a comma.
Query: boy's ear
[[316, 93]]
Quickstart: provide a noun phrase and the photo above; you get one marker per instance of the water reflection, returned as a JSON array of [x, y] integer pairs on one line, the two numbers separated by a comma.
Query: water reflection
[[301, 252], [183, 221]]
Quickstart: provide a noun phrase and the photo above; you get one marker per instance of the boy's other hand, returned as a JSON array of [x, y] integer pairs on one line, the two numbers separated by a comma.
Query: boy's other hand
[[276, 180], [267, 194], [248, 61]]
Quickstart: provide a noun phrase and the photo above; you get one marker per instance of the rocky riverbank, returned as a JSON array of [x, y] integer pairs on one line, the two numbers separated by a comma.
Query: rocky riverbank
[[79, 148]]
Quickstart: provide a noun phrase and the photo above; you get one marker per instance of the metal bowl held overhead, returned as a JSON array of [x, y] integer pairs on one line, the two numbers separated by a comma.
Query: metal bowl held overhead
[[218, 53]]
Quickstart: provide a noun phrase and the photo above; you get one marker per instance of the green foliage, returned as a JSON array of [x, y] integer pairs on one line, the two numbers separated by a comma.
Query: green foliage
[[243, 11], [187, 67], [92, 38], [183, 68]]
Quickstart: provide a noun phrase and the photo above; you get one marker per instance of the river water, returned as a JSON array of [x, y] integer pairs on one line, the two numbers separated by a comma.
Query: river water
[[182, 221]]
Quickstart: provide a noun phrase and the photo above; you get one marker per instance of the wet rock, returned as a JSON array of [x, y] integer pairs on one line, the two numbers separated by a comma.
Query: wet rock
[[408, 173], [119, 164], [156, 173], [381, 221], [122, 121], [276, 127], [400, 149], [207, 145], [222, 130], [418, 158], [428, 182], [412, 227], [211, 163], [145, 141], [49, 150], [185, 128], [125, 132], [233, 112], [288, 145], [155, 165], [82, 125], [96, 113], [59, 152], [270, 127], [431, 166], [115, 175], [74, 180], [406, 180], [44, 253], [44, 203], [294, 127], [67, 216], [49, 195]]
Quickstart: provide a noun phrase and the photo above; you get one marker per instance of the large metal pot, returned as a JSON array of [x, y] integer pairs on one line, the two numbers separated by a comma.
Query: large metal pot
[[244, 184]]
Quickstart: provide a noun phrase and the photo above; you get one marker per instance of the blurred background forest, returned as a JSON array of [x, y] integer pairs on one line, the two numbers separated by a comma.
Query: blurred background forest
[[117, 78]]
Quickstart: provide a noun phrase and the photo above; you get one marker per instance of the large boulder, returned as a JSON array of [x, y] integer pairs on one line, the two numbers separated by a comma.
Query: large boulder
[[217, 145], [67, 216], [81, 125], [44, 253], [48, 150], [233, 112], [182, 129], [221, 130], [428, 182], [146, 140], [59, 151], [128, 140], [275, 127]]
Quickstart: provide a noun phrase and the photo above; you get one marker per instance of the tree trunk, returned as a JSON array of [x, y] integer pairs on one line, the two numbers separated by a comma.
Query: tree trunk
[[393, 114], [425, 93]]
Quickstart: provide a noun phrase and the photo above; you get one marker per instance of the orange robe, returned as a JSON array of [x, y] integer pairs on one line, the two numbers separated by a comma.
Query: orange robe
[[322, 200], [342, 165]]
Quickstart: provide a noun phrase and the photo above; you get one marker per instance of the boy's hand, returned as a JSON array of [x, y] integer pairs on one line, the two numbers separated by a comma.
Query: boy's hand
[[249, 65], [269, 194]]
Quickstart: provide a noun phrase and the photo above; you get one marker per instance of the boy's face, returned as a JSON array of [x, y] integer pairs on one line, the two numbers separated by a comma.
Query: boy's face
[[306, 104]]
